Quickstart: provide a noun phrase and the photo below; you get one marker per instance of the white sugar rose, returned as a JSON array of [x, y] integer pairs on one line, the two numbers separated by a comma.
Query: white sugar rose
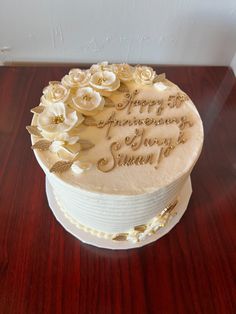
[[87, 101], [105, 81], [124, 71], [54, 92], [144, 75], [57, 121], [76, 78], [103, 66]]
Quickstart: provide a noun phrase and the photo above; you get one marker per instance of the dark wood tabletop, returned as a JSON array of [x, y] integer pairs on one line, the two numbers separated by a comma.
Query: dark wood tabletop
[[44, 269]]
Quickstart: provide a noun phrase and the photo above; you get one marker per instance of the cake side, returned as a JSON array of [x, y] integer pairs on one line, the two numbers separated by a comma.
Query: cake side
[[113, 213]]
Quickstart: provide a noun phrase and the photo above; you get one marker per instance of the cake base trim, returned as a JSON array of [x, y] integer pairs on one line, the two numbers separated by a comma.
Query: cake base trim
[[104, 240]]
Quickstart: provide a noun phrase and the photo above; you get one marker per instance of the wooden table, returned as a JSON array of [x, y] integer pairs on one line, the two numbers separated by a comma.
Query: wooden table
[[44, 269]]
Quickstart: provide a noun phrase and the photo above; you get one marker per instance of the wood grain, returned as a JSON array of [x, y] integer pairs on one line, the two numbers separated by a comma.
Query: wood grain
[[43, 269]]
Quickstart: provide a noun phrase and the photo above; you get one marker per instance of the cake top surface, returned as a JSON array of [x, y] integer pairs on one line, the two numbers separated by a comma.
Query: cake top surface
[[116, 129]]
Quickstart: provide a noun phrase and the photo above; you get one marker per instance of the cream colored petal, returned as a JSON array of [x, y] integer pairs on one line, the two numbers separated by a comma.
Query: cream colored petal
[[56, 146], [57, 108], [62, 127], [83, 91], [71, 120], [48, 135], [84, 105], [44, 101], [63, 136], [73, 139], [44, 119], [68, 152], [116, 85], [87, 101], [73, 148], [54, 136], [109, 77], [81, 166], [160, 86], [65, 154], [80, 118]]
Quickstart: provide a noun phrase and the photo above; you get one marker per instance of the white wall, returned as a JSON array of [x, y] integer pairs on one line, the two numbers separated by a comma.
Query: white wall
[[139, 31]]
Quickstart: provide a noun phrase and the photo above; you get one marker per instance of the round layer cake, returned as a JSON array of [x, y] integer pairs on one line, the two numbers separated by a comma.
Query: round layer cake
[[117, 144]]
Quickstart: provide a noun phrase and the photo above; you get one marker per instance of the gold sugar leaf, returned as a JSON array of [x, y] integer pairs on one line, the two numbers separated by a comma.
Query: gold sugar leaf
[[33, 130], [89, 121], [42, 145], [123, 88], [172, 206], [61, 166], [169, 208], [159, 78], [37, 109], [140, 228], [109, 102], [120, 237], [86, 145]]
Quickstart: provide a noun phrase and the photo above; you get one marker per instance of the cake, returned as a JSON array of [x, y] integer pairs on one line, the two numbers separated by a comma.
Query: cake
[[117, 144]]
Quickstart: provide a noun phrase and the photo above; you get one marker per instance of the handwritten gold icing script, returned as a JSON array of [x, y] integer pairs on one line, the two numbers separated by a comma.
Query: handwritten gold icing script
[[139, 138]]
